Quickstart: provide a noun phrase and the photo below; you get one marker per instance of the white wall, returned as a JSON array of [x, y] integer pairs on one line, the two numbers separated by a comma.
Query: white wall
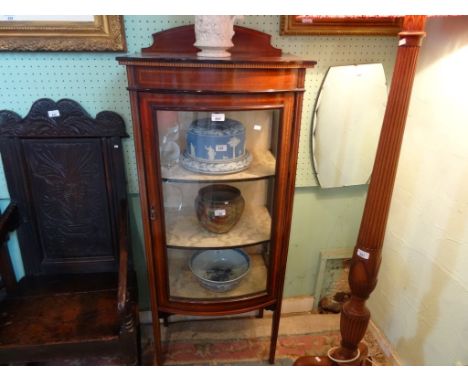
[[421, 300]]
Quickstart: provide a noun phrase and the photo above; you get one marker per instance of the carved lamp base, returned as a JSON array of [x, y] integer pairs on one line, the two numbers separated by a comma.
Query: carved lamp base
[[335, 359]]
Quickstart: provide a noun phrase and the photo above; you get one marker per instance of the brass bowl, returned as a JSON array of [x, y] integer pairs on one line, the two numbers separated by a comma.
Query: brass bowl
[[219, 207]]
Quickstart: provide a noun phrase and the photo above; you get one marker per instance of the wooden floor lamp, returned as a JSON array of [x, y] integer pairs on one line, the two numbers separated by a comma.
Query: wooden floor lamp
[[366, 258]]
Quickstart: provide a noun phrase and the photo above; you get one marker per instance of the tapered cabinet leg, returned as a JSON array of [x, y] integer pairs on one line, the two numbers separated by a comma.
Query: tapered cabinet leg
[[158, 358], [274, 334]]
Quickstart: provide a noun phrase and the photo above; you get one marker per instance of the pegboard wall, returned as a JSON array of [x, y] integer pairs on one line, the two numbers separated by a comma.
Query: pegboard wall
[[98, 83]]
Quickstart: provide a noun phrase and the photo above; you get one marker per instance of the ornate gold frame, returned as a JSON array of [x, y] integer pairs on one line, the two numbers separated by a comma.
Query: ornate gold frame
[[105, 33], [346, 25]]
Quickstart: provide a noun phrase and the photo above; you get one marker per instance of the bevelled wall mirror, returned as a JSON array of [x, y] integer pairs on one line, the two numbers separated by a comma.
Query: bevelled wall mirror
[[346, 124]]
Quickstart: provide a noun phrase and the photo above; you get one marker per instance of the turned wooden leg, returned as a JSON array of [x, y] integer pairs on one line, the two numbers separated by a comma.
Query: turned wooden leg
[[367, 254]]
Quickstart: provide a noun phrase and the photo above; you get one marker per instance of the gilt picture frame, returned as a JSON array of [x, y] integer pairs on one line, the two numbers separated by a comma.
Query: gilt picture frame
[[340, 25], [94, 33]]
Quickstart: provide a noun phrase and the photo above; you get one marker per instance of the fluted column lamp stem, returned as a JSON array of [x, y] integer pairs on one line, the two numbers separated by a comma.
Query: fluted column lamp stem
[[366, 258]]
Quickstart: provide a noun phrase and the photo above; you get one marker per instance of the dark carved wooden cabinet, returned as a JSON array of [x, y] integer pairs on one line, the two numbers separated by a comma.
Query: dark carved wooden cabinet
[[207, 133]]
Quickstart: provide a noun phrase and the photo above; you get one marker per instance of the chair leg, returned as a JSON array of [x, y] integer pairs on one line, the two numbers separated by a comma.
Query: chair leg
[[130, 338]]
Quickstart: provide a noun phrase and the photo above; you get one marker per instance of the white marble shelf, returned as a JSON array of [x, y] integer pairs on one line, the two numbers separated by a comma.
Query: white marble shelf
[[183, 230], [184, 284], [262, 166]]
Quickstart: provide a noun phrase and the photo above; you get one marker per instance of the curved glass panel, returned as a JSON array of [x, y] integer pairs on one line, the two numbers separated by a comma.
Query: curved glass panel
[[218, 171]]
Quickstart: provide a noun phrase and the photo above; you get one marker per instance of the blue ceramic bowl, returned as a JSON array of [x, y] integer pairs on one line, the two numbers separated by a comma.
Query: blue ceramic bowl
[[220, 270]]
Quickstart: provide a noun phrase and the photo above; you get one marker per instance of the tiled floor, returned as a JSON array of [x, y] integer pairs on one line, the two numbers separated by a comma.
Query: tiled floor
[[245, 341]]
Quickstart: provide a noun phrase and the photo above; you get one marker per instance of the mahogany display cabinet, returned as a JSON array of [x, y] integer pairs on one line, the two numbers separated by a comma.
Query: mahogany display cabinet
[[216, 144]]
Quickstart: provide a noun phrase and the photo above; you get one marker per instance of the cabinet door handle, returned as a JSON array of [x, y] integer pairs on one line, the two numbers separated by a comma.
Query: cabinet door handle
[[152, 213]]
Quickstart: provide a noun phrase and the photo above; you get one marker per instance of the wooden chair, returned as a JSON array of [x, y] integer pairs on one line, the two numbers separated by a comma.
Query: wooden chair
[[65, 175]]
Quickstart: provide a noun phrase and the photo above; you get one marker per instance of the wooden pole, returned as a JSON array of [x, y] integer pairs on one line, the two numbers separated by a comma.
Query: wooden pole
[[366, 258]]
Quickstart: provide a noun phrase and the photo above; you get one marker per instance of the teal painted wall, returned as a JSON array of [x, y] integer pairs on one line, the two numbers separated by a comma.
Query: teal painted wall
[[322, 219]]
